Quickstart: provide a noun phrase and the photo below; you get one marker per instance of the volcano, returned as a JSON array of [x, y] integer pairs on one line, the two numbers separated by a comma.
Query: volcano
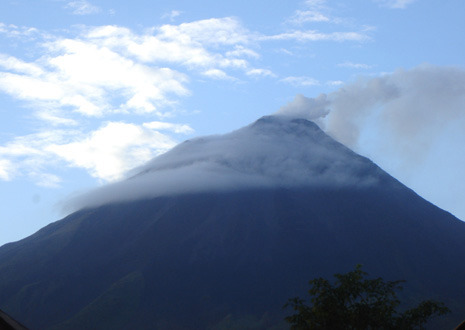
[[221, 231]]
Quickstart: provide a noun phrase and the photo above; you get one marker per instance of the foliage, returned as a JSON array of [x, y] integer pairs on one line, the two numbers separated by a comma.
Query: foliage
[[355, 302]]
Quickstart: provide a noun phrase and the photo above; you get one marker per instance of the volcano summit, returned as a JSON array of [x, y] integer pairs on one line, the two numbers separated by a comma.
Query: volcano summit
[[275, 151], [220, 231]]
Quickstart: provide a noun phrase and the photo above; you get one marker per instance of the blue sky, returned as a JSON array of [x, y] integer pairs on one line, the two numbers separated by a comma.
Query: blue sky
[[91, 89]]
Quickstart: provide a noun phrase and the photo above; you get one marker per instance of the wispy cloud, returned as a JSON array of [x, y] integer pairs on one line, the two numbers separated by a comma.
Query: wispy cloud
[[82, 7], [113, 149], [352, 65], [106, 153], [315, 3], [26, 156], [47, 180], [300, 81], [217, 74], [212, 43], [241, 51], [176, 128], [314, 11], [11, 30], [14, 64], [6, 169], [82, 73], [261, 72], [334, 83], [395, 4], [171, 15], [319, 11], [314, 35], [308, 16]]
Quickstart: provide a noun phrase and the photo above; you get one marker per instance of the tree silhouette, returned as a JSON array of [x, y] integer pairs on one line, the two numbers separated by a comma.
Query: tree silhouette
[[355, 302]]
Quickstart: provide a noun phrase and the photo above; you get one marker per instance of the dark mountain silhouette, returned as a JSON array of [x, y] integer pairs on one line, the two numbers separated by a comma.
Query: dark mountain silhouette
[[293, 204], [7, 323]]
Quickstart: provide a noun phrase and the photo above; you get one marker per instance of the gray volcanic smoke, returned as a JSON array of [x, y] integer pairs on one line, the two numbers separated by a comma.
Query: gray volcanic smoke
[[413, 107], [410, 122]]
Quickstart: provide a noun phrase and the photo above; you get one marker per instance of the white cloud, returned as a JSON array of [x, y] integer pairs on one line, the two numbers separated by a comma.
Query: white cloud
[[352, 65], [32, 145], [106, 153], [334, 83], [212, 44], [31, 88], [314, 11], [176, 128], [46, 180], [315, 3], [82, 73], [6, 169], [98, 69], [113, 149], [240, 51], [54, 118], [318, 11], [395, 4], [313, 35], [83, 76], [260, 72], [285, 51], [301, 81], [214, 31], [308, 16], [82, 7], [14, 31], [19, 66], [172, 15], [25, 156], [217, 74]]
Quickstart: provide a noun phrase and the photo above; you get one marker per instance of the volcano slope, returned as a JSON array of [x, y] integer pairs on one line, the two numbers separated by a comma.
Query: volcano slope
[[220, 231]]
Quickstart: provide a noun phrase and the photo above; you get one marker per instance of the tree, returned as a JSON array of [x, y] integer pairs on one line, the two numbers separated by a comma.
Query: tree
[[355, 302]]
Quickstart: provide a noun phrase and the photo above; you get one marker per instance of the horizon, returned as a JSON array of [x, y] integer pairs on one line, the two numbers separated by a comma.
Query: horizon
[[99, 88]]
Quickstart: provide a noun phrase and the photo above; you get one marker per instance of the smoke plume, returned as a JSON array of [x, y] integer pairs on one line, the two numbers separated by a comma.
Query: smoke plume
[[410, 122]]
